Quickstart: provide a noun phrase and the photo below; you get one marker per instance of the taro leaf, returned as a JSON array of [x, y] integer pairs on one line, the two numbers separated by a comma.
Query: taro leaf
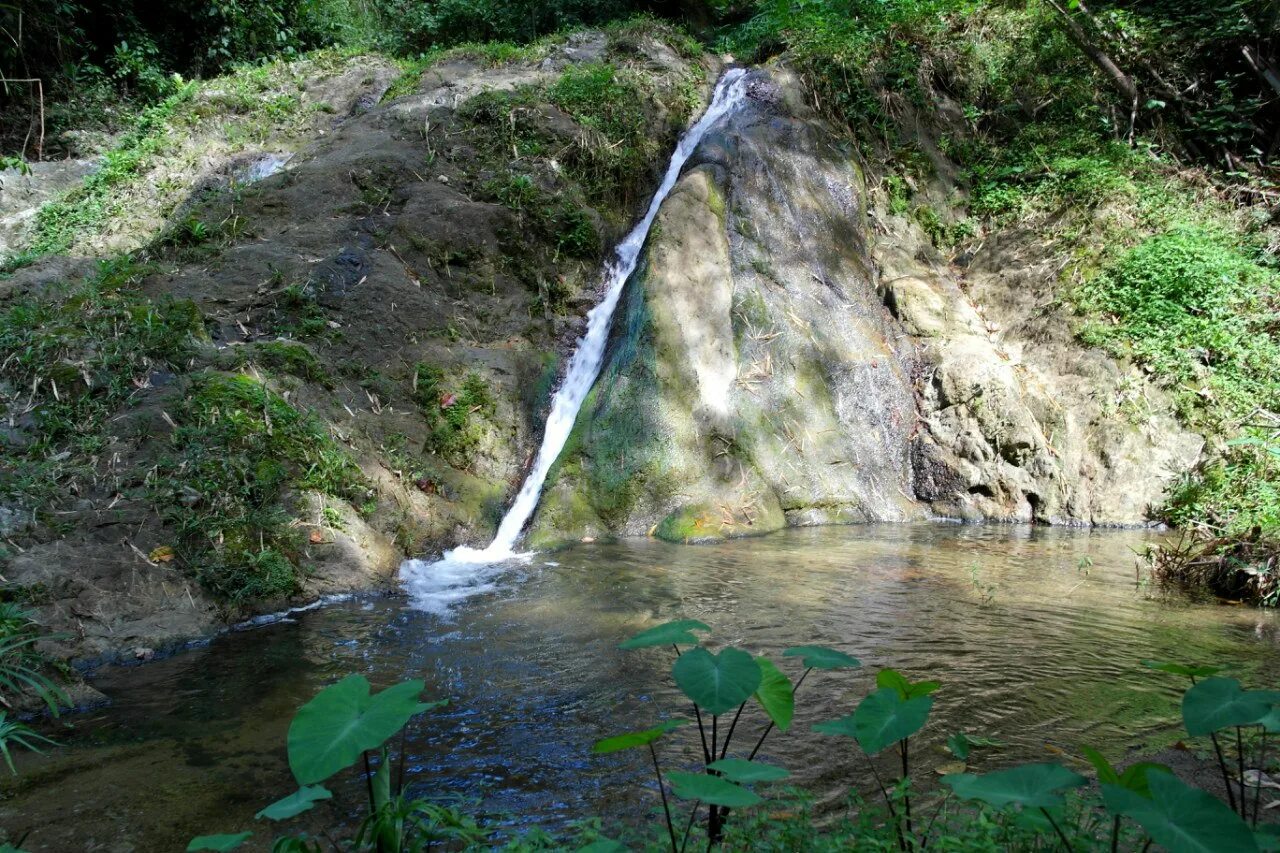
[[842, 727], [717, 683], [631, 740], [296, 803], [218, 843], [1217, 703], [1028, 785], [961, 744], [1190, 671], [1271, 720], [666, 634], [1181, 818], [711, 789], [883, 718], [775, 694], [958, 745], [1107, 774], [1267, 836], [821, 657], [330, 732], [1133, 778], [741, 770], [891, 678]]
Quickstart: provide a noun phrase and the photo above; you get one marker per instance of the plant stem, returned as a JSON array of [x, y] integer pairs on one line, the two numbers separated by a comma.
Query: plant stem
[[715, 719], [702, 734], [689, 826], [924, 839], [1226, 777], [368, 778], [769, 727], [725, 749], [1244, 802], [893, 813], [906, 781], [1257, 791], [1115, 834], [1065, 843], [666, 809]]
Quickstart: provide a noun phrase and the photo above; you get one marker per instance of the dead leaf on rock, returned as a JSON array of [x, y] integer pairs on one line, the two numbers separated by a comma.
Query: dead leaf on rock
[[162, 554]]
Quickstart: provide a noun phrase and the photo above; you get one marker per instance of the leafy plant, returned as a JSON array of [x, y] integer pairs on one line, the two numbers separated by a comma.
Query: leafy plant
[[344, 724], [717, 684]]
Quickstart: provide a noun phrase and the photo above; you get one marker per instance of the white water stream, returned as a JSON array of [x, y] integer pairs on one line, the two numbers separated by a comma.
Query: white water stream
[[465, 571]]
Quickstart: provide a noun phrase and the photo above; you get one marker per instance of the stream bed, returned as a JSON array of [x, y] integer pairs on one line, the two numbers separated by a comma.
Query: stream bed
[[1033, 645]]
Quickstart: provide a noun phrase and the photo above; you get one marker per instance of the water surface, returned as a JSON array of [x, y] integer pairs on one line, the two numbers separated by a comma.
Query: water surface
[[1031, 649]]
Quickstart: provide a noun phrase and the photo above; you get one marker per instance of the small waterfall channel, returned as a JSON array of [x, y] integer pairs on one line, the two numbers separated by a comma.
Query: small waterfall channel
[[465, 571]]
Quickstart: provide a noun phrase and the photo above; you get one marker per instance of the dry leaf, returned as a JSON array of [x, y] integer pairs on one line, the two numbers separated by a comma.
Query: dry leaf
[[162, 554]]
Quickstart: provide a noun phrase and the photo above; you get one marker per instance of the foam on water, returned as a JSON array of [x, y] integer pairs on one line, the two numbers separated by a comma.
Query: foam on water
[[465, 571]]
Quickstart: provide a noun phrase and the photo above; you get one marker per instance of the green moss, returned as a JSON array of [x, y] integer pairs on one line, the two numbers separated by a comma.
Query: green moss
[[284, 357], [238, 455], [458, 412], [691, 523]]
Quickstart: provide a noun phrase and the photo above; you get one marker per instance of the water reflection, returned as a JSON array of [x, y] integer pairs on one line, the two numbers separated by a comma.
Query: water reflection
[[1031, 649]]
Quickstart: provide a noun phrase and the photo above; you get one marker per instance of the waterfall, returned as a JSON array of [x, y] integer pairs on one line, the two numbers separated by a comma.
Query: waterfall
[[466, 571]]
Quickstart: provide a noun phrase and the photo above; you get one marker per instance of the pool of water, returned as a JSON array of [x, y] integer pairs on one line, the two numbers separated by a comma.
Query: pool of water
[[1033, 646]]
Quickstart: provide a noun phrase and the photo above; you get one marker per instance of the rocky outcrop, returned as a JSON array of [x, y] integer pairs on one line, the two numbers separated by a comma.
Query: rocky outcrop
[[783, 358]]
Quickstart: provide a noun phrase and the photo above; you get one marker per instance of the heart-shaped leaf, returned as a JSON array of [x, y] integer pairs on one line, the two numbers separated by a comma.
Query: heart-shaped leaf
[[1132, 778], [1267, 836], [775, 694], [821, 657], [218, 843], [631, 740], [717, 683], [296, 803], [1217, 703], [1181, 818], [711, 789], [666, 634], [884, 718], [741, 770], [892, 679], [330, 732], [1188, 670], [842, 727], [1035, 786]]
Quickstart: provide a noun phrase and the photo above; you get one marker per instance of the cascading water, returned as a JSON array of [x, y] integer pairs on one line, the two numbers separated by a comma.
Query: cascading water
[[465, 571]]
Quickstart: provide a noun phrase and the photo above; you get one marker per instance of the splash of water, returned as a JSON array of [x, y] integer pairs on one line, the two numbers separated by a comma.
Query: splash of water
[[465, 571]]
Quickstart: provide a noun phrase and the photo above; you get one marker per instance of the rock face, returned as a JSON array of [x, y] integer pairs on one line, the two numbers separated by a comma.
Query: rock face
[[779, 361]]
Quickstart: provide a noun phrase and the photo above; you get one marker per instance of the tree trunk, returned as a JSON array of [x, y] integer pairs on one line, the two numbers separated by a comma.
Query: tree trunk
[[1122, 81]]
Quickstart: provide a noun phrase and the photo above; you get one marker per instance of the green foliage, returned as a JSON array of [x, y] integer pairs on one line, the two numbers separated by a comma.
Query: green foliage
[[678, 632], [611, 104], [456, 413], [775, 694], [881, 720], [634, 739], [1181, 818], [1035, 786], [86, 208], [219, 843], [821, 657], [719, 682], [341, 724], [239, 453], [1218, 703], [712, 790], [330, 732]]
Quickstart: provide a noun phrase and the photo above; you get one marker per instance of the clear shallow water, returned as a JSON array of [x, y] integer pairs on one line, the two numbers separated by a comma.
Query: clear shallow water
[[195, 743]]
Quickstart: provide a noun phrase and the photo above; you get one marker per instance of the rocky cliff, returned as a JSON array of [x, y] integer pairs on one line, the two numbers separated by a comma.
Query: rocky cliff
[[787, 355]]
